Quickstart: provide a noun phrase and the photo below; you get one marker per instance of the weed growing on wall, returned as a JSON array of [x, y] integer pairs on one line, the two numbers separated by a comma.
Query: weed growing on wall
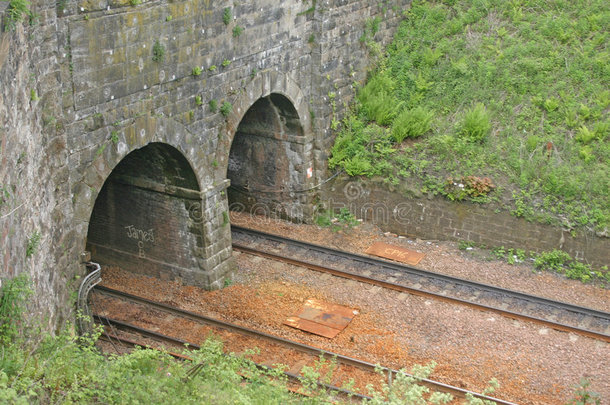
[[158, 52], [492, 90], [226, 108], [18, 11], [237, 31], [227, 16], [32, 244]]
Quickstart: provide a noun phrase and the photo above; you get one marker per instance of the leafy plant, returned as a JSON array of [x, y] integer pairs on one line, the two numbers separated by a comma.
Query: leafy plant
[[135, 2], [346, 218], [226, 108], [476, 125], [13, 297], [17, 11], [227, 16], [237, 31], [213, 105], [561, 262], [32, 244], [158, 52], [377, 99], [411, 123], [226, 63], [196, 71], [198, 100], [583, 396], [114, 136], [34, 95]]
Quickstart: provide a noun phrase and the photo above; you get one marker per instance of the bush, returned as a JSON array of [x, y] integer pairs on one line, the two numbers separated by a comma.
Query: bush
[[412, 123], [476, 125], [377, 99]]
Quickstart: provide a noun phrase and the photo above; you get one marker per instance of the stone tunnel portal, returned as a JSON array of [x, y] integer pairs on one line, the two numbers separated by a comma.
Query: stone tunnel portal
[[146, 218], [267, 161]]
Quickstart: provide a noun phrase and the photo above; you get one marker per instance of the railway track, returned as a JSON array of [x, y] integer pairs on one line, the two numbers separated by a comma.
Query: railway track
[[125, 334], [513, 304], [300, 353]]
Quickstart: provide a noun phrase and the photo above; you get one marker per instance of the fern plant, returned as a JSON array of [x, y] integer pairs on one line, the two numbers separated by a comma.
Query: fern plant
[[476, 124]]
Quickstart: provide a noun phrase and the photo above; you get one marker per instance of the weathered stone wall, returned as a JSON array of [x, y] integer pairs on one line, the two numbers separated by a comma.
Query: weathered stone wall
[[100, 93], [440, 219], [35, 202]]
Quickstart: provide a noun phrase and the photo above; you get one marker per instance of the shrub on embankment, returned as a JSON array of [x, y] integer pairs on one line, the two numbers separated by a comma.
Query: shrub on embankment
[[513, 94]]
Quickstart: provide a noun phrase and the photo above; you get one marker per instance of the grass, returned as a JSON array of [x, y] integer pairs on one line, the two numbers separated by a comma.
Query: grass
[[511, 91]]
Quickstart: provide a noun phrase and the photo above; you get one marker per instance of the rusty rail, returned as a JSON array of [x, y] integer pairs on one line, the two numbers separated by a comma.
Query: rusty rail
[[435, 385], [420, 291]]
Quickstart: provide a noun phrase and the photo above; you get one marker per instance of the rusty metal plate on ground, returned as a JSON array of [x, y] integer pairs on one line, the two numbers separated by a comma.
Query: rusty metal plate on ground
[[395, 253], [322, 318]]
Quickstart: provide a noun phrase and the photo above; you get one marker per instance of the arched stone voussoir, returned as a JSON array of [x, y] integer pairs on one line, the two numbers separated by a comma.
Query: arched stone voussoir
[[264, 84], [140, 133]]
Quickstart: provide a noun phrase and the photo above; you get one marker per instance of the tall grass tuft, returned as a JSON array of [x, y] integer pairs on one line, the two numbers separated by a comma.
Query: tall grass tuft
[[476, 124], [377, 99], [412, 123]]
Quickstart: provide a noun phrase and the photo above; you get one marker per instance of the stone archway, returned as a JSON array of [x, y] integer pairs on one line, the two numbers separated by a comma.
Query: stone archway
[[142, 204], [268, 154], [147, 216]]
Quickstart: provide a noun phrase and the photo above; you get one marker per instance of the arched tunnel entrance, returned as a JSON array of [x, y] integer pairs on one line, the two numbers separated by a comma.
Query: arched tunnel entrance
[[268, 161], [147, 217]]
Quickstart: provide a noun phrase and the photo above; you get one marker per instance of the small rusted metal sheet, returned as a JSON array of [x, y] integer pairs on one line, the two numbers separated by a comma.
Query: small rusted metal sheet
[[322, 318], [395, 253]]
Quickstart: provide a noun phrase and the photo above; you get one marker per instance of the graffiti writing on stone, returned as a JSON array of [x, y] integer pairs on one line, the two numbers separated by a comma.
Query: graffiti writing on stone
[[141, 236]]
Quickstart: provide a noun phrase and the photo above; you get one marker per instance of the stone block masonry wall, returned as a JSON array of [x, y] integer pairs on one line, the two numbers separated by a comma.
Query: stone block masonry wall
[[441, 219], [36, 231], [93, 81]]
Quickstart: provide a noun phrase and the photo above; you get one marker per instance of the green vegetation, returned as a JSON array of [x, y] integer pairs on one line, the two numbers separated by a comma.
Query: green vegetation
[[198, 100], [343, 219], [196, 71], [227, 15], [18, 11], [226, 108], [561, 262], [226, 63], [114, 136], [13, 296], [135, 2], [158, 52], [583, 396], [213, 105], [311, 9], [513, 93], [237, 31], [32, 244], [556, 261]]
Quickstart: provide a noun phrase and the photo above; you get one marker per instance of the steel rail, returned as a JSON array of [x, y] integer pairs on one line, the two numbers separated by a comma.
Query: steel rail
[[417, 291], [437, 386], [175, 341]]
